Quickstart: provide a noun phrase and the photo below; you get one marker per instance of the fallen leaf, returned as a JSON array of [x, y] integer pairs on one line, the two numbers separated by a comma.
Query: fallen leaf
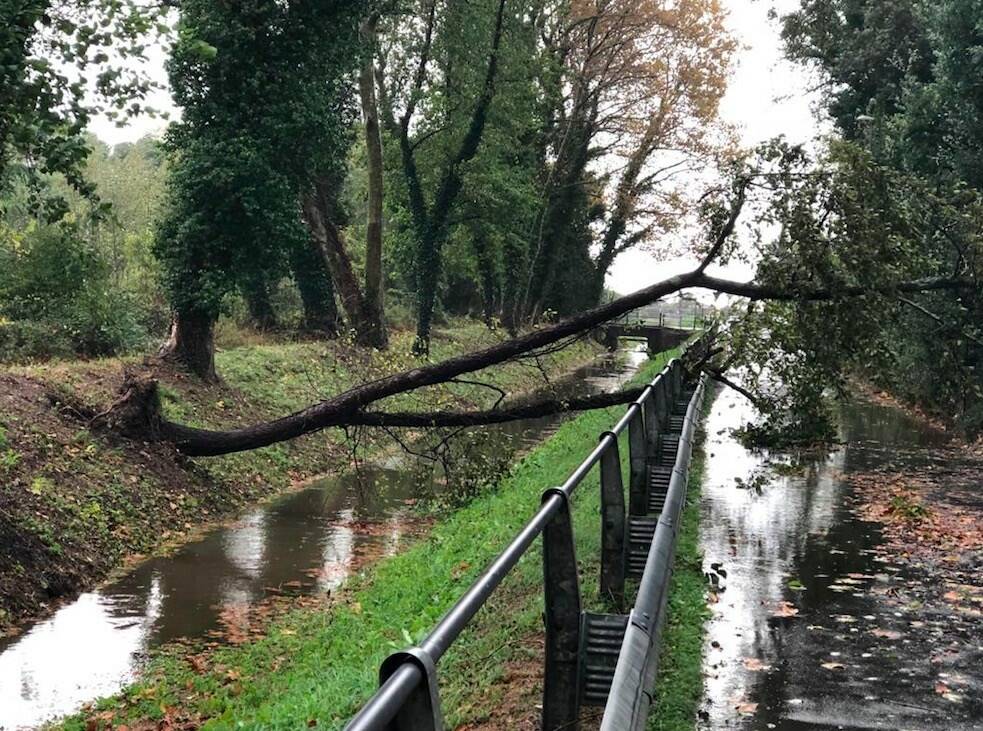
[[786, 609], [747, 709], [755, 665], [197, 664], [887, 634]]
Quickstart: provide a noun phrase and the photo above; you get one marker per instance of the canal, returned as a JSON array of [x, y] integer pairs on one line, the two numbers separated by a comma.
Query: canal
[[306, 542]]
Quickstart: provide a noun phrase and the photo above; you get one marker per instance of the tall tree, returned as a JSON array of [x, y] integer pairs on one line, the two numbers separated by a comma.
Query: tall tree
[[449, 27], [635, 87], [266, 103]]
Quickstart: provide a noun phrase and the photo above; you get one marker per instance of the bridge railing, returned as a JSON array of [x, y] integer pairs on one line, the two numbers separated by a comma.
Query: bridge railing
[[408, 698], [693, 320]]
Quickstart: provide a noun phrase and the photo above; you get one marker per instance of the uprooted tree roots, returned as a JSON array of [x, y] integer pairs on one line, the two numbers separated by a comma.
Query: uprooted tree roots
[[134, 414]]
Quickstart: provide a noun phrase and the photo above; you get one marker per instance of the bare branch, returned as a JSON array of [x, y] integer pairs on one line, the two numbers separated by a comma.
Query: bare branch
[[546, 407], [721, 378]]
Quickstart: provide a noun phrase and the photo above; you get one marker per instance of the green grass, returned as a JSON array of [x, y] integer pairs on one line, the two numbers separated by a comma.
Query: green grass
[[320, 664], [679, 687]]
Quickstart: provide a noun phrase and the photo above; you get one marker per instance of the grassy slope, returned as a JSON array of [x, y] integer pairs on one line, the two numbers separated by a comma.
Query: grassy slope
[[74, 504], [319, 664]]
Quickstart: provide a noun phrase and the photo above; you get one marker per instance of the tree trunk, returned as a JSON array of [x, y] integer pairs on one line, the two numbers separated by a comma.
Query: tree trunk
[[374, 288], [558, 218], [191, 343], [257, 296], [486, 272], [319, 212], [428, 279], [316, 291]]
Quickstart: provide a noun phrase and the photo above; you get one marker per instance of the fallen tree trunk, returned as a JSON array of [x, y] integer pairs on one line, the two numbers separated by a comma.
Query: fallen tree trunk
[[347, 407]]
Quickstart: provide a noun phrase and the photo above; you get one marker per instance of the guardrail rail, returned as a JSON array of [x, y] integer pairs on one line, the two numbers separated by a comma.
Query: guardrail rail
[[604, 660]]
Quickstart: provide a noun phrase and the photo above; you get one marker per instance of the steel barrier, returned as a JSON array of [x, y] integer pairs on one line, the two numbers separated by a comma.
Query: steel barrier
[[581, 647]]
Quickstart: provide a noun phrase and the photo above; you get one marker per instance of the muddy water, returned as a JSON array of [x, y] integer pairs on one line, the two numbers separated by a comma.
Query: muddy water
[[307, 542], [816, 626]]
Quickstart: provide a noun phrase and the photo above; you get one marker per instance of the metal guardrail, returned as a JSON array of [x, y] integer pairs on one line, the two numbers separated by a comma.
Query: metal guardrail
[[638, 662], [580, 646]]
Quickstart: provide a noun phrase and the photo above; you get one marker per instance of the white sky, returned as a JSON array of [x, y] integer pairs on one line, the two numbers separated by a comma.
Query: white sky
[[768, 96]]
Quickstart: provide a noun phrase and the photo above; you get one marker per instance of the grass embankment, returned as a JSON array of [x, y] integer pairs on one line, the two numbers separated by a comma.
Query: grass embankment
[[75, 503], [316, 666]]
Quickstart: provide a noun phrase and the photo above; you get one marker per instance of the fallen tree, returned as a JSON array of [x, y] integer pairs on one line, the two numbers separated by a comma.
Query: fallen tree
[[351, 407]]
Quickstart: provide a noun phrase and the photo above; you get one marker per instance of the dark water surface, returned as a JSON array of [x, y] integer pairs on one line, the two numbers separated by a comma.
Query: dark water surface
[[305, 542], [817, 627]]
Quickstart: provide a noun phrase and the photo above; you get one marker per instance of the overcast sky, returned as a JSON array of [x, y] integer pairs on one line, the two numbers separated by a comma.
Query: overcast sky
[[768, 96]]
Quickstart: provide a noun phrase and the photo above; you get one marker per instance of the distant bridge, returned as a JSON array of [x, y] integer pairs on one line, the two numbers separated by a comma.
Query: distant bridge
[[658, 337]]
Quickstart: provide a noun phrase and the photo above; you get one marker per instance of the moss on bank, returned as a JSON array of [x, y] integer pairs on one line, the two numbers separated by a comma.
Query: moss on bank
[[317, 665], [75, 504]]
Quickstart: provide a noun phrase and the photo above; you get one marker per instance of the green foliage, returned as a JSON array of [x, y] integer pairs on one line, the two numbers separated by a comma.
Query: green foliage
[[266, 105], [904, 83], [908, 508], [55, 72], [56, 289]]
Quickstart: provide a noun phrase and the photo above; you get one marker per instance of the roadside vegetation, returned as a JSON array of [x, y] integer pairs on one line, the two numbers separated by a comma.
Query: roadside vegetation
[[317, 664], [76, 501]]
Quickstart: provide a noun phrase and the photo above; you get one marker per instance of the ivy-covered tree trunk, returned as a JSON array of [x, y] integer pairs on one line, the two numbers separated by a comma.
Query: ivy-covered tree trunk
[[558, 220], [374, 289], [320, 210], [487, 273], [428, 279], [316, 291], [256, 292], [191, 342]]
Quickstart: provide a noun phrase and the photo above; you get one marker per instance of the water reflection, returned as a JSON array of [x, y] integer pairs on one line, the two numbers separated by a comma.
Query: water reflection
[[308, 541], [797, 639]]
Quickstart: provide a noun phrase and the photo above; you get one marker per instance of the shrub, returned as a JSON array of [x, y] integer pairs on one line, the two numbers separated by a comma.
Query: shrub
[[24, 340], [57, 293]]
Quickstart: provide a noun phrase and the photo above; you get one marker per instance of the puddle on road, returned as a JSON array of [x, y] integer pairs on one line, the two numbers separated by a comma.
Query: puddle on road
[[863, 644], [308, 541]]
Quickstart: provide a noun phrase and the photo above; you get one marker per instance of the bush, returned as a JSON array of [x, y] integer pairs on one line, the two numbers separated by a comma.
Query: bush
[[24, 340], [57, 292]]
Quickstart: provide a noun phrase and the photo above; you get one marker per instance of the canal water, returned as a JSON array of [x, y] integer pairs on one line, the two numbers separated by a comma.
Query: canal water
[[305, 542], [816, 626]]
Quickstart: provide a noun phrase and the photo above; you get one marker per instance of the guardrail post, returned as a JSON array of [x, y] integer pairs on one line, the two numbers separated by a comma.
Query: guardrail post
[[612, 524], [638, 498], [421, 711], [561, 586], [652, 420], [663, 403]]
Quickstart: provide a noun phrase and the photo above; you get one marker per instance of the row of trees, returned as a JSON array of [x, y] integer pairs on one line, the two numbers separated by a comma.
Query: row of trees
[[497, 155], [501, 153], [491, 157]]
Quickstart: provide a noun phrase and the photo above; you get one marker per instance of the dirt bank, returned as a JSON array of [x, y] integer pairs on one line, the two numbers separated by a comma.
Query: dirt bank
[[75, 504]]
